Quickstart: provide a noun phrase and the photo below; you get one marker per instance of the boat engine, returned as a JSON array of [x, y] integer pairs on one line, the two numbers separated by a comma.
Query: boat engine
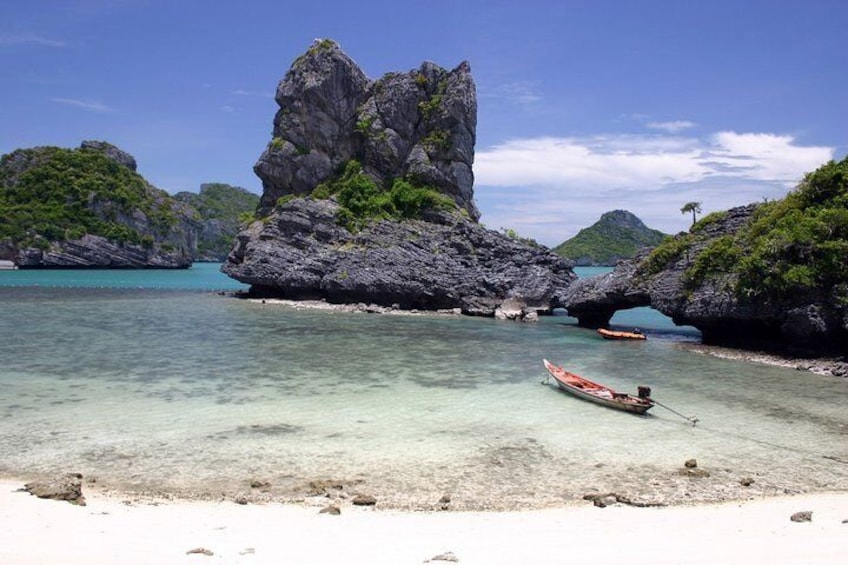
[[644, 392]]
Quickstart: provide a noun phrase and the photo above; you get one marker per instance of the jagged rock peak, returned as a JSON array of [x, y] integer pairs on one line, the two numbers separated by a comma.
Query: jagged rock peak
[[623, 218], [420, 124], [112, 152], [338, 133]]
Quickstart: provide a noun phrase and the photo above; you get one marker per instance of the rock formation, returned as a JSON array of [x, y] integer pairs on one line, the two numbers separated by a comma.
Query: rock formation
[[114, 153], [88, 208], [420, 124], [417, 126], [810, 322], [67, 487], [441, 261]]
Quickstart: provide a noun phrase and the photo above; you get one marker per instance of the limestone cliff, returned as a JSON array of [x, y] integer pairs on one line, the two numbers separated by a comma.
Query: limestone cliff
[[368, 197], [419, 124]]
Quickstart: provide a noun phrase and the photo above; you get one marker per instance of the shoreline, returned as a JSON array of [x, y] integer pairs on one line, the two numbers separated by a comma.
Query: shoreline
[[828, 366], [112, 529], [831, 366], [357, 308]]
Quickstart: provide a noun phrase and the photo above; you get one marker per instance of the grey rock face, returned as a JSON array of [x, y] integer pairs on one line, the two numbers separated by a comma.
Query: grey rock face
[[594, 301], [420, 124], [119, 156], [443, 261], [93, 251]]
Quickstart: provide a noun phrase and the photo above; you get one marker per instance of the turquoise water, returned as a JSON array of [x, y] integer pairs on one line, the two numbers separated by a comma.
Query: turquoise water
[[201, 276], [189, 392]]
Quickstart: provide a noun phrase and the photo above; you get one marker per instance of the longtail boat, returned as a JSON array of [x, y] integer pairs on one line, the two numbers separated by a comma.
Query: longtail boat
[[613, 334], [600, 394]]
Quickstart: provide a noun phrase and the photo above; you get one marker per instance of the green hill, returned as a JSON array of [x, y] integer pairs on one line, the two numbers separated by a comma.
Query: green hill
[[220, 207], [51, 198], [617, 235]]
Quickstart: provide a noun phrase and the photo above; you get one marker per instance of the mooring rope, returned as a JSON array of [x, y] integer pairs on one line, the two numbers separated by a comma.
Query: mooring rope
[[692, 419]]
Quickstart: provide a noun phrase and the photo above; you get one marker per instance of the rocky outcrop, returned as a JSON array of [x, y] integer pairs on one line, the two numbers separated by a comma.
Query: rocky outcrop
[[442, 261], [594, 301], [69, 208], [804, 323], [94, 251], [67, 487], [114, 153], [418, 126]]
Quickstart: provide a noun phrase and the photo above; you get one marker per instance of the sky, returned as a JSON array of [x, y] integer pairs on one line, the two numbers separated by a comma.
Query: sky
[[584, 106]]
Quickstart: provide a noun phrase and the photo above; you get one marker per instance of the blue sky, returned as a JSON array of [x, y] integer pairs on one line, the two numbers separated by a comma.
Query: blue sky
[[584, 106]]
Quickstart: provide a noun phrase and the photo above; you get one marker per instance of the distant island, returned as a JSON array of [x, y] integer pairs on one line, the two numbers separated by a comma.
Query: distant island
[[617, 235], [89, 208], [222, 210]]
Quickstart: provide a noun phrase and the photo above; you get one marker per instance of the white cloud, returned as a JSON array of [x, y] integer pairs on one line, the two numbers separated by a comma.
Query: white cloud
[[23, 38], [549, 188], [672, 127], [90, 105]]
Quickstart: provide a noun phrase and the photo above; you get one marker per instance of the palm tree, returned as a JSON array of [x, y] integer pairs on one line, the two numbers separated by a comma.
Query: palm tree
[[694, 207]]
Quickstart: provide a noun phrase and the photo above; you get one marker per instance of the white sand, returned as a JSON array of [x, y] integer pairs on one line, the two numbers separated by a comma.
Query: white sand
[[109, 531]]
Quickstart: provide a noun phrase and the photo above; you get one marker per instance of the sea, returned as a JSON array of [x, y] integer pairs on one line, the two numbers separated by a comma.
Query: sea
[[162, 383]]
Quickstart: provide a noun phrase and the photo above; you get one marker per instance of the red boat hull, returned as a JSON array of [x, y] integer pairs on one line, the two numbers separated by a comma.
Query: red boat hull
[[594, 392]]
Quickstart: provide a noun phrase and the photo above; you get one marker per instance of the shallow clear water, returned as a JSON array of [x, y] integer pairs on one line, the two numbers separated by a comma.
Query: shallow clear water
[[196, 393]]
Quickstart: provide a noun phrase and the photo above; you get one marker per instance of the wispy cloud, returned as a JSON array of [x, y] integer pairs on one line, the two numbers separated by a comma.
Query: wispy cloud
[[549, 188], [228, 109], [24, 38], [520, 92], [242, 92], [89, 105], [673, 126]]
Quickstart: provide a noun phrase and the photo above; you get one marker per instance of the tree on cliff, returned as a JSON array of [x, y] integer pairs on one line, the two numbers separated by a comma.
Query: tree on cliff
[[694, 207]]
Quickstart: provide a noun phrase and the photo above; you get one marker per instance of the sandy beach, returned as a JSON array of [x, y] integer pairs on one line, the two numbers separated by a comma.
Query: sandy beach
[[111, 529]]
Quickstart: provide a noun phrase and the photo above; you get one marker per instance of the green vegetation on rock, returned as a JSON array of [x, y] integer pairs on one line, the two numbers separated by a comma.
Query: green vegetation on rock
[[617, 235], [56, 194], [222, 208], [217, 201], [363, 201], [794, 245]]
